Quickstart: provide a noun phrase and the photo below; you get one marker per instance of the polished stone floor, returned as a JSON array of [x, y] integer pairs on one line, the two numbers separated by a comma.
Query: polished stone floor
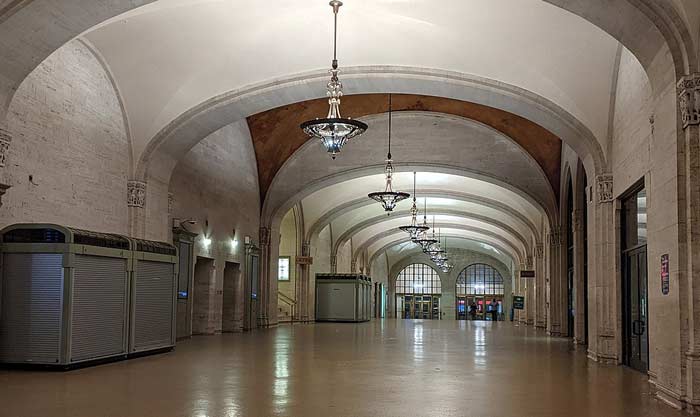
[[382, 368]]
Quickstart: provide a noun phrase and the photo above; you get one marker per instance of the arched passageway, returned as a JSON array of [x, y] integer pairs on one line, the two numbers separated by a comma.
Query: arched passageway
[[418, 289]]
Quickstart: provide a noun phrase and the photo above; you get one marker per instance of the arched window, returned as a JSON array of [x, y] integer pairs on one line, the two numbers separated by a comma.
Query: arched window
[[418, 279], [479, 279]]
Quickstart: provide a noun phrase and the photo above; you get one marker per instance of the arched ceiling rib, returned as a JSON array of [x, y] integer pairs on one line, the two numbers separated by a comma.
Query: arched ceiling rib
[[407, 249]]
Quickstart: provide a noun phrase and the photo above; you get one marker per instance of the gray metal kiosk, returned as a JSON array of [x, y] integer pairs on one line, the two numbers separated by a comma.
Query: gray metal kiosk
[[68, 296], [343, 297], [153, 296]]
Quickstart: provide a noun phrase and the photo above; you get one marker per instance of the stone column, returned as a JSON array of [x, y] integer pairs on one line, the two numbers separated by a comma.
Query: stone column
[[5, 140], [269, 254], [557, 281], [304, 261], [516, 290], [689, 256], [580, 301], [540, 320], [530, 297], [136, 203], [604, 283]]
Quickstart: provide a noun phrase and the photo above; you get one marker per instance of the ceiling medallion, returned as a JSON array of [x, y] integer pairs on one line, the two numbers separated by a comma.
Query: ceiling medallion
[[334, 130], [389, 198], [414, 229]]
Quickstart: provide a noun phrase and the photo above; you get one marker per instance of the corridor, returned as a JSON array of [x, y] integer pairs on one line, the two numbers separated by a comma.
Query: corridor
[[381, 368]]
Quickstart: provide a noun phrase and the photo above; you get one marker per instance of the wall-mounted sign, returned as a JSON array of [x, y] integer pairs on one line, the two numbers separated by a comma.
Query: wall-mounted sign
[[527, 274], [305, 260], [665, 285], [518, 302]]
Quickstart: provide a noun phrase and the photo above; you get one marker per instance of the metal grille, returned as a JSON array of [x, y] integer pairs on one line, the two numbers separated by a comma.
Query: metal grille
[[32, 286], [99, 307], [479, 279], [153, 305], [418, 279]]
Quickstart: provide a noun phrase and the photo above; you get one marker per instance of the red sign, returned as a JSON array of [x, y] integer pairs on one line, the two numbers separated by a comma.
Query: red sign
[[665, 285]]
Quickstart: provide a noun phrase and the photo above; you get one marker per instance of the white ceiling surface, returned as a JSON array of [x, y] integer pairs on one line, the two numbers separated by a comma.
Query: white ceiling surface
[[171, 55], [324, 200], [453, 233], [347, 221], [402, 250], [419, 140], [368, 234]]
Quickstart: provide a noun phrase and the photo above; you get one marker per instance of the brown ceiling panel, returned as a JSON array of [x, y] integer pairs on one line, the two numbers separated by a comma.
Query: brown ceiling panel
[[276, 133]]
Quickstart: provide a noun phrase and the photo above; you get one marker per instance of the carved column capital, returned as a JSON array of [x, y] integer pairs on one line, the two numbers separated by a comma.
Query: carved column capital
[[689, 99], [353, 266], [539, 251], [334, 264], [3, 190], [171, 202], [264, 237], [5, 139], [577, 220], [136, 193], [306, 248], [528, 262], [604, 188], [555, 236]]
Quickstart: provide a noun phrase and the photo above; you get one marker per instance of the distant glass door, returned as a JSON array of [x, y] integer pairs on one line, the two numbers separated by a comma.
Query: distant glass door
[[423, 307]]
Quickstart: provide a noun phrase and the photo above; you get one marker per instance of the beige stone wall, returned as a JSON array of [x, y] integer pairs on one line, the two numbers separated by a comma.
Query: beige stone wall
[[216, 184], [321, 246], [344, 257], [70, 156]]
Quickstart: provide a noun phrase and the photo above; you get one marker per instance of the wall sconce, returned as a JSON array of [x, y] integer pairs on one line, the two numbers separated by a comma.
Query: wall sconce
[[206, 241]]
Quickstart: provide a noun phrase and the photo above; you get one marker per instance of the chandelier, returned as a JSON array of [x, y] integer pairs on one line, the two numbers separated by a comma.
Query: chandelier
[[414, 229], [334, 131], [423, 240], [389, 198]]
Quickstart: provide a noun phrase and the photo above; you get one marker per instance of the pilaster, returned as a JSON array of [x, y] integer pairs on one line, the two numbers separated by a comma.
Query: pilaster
[[579, 281], [530, 298], [5, 140], [264, 295], [136, 204], [540, 320], [556, 283]]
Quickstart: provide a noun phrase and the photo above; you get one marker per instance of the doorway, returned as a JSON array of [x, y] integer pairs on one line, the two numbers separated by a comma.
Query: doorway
[[634, 280], [232, 313], [418, 289], [201, 300]]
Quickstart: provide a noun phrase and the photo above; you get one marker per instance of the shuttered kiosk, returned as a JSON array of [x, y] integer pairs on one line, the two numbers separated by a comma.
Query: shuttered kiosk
[[67, 296], [343, 297], [153, 292]]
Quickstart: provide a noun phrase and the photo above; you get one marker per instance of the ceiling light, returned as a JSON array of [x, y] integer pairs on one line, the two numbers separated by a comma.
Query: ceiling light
[[423, 240], [334, 130], [414, 229], [389, 198]]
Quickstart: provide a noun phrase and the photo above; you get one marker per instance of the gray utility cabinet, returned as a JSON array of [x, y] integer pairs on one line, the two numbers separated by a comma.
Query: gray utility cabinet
[[70, 296], [343, 297]]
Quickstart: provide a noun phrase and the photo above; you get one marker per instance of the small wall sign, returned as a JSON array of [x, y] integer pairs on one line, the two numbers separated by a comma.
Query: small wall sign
[[518, 302], [664, 275], [527, 274]]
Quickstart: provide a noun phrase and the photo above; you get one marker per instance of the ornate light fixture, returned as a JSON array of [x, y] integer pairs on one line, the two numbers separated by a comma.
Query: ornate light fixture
[[334, 130], [423, 240], [414, 229], [434, 249], [388, 198]]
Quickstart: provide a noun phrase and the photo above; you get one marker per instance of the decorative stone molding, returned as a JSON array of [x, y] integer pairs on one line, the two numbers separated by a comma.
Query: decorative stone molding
[[604, 186], [136, 193], [5, 139], [334, 264], [539, 251], [264, 237], [689, 99], [171, 201], [528, 262], [555, 236], [353, 266], [3, 190]]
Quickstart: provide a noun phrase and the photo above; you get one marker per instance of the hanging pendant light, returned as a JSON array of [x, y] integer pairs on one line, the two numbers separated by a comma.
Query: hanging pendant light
[[334, 131], [434, 249], [445, 265], [389, 198], [414, 229], [423, 239]]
